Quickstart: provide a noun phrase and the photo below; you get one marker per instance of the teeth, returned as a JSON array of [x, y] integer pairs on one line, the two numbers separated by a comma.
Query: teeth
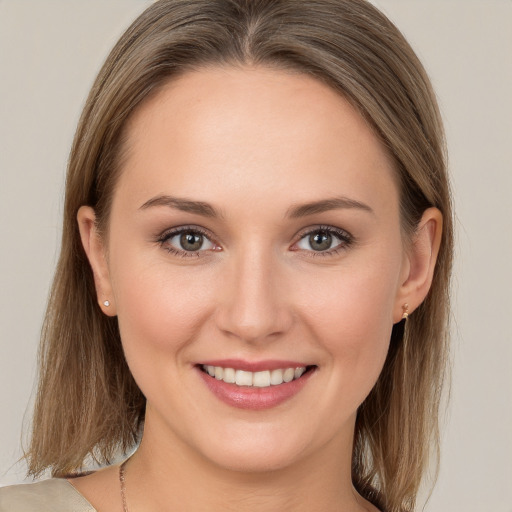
[[276, 377], [229, 376], [298, 372], [262, 379], [288, 374], [243, 378]]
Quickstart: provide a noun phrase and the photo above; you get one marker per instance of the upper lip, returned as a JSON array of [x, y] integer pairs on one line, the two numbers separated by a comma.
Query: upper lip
[[253, 366]]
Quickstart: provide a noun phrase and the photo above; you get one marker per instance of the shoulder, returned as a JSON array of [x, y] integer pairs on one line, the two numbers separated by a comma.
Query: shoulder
[[52, 495]]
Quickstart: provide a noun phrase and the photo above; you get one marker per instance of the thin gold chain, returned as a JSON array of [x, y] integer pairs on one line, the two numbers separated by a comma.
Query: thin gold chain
[[123, 486]]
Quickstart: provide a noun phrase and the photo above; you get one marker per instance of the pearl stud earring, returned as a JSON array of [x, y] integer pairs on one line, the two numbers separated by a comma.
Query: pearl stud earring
[[106, 303]]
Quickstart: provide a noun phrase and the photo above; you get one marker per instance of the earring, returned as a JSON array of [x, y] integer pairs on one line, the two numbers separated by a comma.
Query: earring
[[397, 334], [106, 303]]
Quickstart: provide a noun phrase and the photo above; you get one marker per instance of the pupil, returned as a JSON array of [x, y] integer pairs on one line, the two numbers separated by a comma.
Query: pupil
[[191, 241], [320, 241]]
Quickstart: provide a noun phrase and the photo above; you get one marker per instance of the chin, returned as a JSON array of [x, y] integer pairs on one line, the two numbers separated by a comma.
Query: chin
[[255, 461], [261, 449]]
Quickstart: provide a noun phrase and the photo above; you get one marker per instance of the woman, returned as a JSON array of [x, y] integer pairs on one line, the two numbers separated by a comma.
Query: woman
[[253, 283]]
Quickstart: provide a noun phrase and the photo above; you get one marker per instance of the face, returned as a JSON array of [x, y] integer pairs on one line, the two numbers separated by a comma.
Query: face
[[255, 235]]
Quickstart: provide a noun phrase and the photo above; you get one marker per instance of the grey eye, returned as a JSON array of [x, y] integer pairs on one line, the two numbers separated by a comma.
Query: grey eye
[[320, 241]]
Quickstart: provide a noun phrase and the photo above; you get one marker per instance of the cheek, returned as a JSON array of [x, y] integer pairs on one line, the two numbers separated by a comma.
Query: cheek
[[159, 307], [350, 313]]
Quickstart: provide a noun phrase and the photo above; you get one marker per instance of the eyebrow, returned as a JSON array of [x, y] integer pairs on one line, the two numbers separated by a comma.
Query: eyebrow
[[324, 205], [294, 212], [185, 205]]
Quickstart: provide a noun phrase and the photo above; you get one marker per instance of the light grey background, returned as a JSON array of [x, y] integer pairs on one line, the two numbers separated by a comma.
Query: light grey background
[[50, 52]]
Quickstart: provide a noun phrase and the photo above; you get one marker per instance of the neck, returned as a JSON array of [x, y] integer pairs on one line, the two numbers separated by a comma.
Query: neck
[[172, 476]]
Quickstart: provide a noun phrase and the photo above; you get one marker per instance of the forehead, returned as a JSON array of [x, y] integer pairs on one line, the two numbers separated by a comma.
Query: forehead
[[260, 130]]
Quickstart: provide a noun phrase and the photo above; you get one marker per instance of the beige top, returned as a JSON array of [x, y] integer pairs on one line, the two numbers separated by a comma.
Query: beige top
[[53, 495]]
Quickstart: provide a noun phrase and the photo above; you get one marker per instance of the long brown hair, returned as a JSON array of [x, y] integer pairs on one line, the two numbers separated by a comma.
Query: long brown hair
[[88, 403]]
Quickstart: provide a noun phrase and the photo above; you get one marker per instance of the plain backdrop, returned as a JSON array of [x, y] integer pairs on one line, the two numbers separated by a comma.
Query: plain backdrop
[[50, 51]]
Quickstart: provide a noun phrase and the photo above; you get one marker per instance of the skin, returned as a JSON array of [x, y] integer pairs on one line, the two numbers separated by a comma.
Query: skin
[[253, 143]]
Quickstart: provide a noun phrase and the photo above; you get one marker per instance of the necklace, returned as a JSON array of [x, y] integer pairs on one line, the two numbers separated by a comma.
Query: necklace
[[123, 486]]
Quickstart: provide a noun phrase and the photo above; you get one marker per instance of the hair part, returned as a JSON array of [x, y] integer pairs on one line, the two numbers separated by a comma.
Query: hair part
[[88, 403]]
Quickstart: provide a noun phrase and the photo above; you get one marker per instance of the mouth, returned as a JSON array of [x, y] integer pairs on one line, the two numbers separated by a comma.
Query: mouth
[[256, 386], [259, 379]]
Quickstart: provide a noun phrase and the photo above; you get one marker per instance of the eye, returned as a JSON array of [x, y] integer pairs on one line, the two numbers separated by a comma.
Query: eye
[[328, 240], [186, 242]]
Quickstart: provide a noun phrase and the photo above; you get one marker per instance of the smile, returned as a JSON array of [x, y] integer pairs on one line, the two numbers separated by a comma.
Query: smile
[[261, 379], [255, 385]]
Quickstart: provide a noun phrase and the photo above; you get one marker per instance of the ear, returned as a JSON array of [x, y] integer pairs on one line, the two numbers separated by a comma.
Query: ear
[[96, 254], [421, 257]]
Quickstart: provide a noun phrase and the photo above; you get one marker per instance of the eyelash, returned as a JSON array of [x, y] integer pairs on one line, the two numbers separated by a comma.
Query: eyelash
[[168, 235], [346, 240]]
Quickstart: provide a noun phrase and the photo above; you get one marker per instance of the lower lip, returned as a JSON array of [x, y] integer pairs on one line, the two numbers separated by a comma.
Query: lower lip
[[245, 397]]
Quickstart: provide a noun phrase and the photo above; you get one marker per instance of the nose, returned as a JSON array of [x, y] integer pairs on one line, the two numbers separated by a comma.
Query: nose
[[253, 304]]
